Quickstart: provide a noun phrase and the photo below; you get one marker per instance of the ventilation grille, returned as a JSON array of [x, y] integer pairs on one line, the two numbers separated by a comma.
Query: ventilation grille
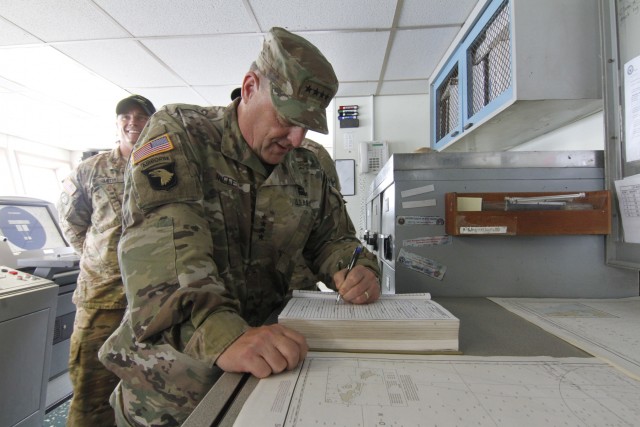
[[490, 60]]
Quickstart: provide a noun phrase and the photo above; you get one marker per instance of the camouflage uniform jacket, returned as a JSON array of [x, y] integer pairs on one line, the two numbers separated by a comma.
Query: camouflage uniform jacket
[[210, 239], [90, 209], [302, 277], [326, 162]]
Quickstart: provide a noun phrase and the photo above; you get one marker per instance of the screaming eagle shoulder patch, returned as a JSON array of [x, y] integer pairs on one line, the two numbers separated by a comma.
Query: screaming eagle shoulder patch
[[161, 144], [162, 177]]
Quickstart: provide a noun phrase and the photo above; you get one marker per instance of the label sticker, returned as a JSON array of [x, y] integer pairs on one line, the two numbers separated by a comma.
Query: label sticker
[[499, 229], [427, 241], [421, 264], [420, 220]]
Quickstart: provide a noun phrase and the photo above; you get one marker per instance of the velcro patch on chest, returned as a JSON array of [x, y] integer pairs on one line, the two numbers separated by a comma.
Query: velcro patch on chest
[[161, 144]]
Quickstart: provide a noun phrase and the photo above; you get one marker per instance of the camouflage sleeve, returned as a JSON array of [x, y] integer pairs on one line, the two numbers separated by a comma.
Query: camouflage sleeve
[[74, 210], [331, 255], [166, 250]]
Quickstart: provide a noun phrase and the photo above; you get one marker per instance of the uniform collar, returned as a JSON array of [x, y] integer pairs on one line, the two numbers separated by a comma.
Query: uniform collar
[[115, 156], [235, 146]]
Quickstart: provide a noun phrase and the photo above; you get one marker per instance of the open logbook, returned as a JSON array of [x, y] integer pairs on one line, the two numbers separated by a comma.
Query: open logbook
[[396, 323]]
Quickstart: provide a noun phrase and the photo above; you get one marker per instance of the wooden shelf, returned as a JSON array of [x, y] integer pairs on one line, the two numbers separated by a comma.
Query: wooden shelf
[[586, 215]]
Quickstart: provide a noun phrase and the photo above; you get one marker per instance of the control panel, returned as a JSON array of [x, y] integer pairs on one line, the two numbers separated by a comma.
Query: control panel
[[15, 280], [27, 315]]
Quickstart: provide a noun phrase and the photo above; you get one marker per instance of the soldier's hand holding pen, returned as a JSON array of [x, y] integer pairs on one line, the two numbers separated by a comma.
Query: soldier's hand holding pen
[[357, 284]]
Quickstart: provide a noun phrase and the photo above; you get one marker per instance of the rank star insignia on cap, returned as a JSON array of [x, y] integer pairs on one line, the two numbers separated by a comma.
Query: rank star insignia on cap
[[302, 80], [159, 145]]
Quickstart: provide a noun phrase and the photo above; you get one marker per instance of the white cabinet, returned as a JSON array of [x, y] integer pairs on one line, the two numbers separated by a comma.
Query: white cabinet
[[523, 68]]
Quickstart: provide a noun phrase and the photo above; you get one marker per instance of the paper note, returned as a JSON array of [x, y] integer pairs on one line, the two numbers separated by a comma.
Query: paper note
[[472, 204], [628, 191], [632, 109]]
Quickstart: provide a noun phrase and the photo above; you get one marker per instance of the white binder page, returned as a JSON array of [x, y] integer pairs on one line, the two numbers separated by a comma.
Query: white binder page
[[388, 307]]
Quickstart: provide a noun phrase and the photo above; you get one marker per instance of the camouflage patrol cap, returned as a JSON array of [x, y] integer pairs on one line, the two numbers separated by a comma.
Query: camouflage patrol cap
[[302, 80], [138, 100]]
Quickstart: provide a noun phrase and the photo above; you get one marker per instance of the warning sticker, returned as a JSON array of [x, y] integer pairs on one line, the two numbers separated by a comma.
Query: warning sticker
[[420, 220], [427, 241], [421, 264]]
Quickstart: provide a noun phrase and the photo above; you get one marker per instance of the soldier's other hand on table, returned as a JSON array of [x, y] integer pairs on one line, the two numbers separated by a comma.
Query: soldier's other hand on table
[[360, 286], [264, 351]]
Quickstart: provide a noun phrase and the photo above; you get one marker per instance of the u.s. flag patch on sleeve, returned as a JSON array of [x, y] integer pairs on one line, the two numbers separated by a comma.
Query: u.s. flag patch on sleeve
[[162, 144], [69, 187]]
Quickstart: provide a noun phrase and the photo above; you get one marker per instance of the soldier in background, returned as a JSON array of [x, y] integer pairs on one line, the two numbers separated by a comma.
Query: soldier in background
[[90, 210], [220, 205]]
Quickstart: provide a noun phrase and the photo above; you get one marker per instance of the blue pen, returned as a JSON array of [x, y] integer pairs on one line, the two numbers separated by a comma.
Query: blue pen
[[352, 263]]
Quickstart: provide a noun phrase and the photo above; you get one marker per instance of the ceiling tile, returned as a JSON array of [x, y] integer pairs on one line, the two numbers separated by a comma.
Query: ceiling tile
[[435, 12], [11, 34], [297, 15], [197, 51], [217, 95], [415, 53], [61, 19], [4, 88], [49, 73], [160, 96], [202, 61], [169, 17], [354, 55], [123, 62]]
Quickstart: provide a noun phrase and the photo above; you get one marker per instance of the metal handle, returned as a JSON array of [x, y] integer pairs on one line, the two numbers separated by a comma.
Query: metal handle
[[388, 247]]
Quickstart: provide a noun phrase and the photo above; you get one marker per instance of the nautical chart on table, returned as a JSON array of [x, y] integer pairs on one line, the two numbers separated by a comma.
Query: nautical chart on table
[[607, 328], [332, 389]]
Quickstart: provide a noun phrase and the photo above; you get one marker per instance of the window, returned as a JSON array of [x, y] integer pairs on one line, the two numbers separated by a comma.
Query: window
[[6, 178], [42, 177]]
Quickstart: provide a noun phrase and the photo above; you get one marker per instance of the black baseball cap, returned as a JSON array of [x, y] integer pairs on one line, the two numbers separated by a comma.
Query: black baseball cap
[[138, 100]]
